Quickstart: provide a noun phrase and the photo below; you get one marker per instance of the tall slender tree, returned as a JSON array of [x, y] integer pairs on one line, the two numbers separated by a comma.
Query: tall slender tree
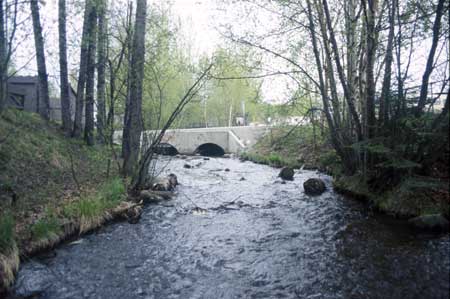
[[81, 84], [101, 64], [66, 113], [430, 61], [90, 78], [3, 63], [133, 124], [43, 94]]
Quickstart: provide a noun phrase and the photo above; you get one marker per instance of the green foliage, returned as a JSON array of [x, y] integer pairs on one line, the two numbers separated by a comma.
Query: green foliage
[[6, 232], [37, 161], [46, 228], [113, 191], [108, 196], [331, 162]]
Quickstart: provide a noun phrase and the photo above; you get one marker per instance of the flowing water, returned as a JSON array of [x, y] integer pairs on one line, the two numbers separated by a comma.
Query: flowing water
[[256, 238]]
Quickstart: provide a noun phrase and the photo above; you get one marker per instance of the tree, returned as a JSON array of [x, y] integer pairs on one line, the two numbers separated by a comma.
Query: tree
[[101, 65], [43, 94], [66, 113], [81, 84], [430, 61], [133, 123], [90, 78], [3, 60]]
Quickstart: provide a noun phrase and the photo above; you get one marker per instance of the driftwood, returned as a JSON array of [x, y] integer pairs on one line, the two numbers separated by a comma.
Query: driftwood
[[150, 196]]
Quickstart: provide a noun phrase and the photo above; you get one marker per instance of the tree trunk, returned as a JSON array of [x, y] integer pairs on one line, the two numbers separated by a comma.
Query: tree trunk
[[3, 62], [430, 61], [40, 59], [101, 63], [66, 114], [129, 46], [348, 96], [90, 76], [370, 13], [383, 117], [336, 138], [133, 126], [78, 123]]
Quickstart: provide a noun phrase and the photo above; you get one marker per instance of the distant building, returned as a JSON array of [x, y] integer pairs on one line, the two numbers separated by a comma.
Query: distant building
[[23, 94]]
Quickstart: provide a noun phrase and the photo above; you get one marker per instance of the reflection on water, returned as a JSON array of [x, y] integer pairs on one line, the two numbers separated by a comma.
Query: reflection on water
[[228, 237]]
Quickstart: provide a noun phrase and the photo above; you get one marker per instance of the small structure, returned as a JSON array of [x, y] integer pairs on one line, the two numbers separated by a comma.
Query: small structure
[[23, 94]]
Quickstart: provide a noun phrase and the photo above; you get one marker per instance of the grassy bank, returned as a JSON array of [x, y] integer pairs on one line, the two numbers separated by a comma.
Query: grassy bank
[[51, 188], [298, 147], [413, 196]]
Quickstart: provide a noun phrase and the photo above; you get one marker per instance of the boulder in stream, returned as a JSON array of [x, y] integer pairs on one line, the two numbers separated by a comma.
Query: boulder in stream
[[187, 166], [314, 186], [434, 222], [287, 173]]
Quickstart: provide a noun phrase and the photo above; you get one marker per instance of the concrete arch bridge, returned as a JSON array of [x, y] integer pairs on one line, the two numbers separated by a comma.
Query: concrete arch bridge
[[208, 141]]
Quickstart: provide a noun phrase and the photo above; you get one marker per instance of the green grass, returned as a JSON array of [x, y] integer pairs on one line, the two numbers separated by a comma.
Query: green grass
[[7, 236], [46, 228], [36, 161], [288, 146], [108, 196]]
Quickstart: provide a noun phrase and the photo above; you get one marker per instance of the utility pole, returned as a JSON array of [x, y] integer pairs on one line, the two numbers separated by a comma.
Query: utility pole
[[204, 111], [243, 112]]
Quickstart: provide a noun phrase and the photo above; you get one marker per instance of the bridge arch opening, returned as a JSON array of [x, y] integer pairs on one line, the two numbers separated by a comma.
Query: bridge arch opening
[[165, 149], [210, 149]]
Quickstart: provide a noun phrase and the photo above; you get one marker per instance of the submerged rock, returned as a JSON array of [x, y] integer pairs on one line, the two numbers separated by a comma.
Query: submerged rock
[[187, 166], [287, 173], [134, 214], [227, 169], [435, 222], [314, 186]]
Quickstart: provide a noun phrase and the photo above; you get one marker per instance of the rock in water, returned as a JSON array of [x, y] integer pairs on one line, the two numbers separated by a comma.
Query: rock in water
[[173, 180], [435, 222], [314, 186], [187, 166], [287, 173]]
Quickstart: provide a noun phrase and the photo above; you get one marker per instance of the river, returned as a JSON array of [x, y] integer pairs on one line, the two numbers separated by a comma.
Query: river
[[243, 234]]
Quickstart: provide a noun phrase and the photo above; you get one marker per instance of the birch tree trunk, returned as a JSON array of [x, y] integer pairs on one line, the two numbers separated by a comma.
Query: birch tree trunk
[[133, 125], [90, 78], [43, 94], [66, 114], [371, 42]]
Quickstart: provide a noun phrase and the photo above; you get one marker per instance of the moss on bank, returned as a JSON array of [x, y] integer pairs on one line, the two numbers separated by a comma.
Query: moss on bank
[[51, 187], [413, 196]]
